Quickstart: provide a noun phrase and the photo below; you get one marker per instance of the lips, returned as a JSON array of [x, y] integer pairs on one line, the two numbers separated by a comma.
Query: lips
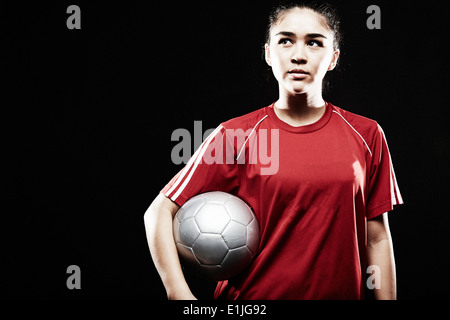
[[298, 71], [298, 74]]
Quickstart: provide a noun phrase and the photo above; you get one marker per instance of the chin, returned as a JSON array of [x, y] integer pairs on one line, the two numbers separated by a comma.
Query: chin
[[296, 90], [299, 87]]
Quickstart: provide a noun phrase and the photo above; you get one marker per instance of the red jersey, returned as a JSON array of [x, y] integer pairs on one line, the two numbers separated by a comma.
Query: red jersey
[[312, 189]]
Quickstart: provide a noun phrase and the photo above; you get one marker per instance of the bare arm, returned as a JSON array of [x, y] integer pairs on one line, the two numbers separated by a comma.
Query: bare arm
[[158, 226], [380, 253]]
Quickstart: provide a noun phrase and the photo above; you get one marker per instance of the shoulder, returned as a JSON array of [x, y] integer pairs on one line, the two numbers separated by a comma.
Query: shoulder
[[354, 119], [246, 121], [367, 128]]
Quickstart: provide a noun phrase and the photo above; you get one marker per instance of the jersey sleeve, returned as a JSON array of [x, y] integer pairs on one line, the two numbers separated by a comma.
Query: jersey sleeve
[[384, 194], [211, 168]]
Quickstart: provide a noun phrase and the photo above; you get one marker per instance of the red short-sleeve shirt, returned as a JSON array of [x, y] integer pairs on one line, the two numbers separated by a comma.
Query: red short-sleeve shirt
[[312, 189]]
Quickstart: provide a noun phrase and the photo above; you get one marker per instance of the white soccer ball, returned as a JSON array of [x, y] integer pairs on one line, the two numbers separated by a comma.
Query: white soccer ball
[[216, 234]]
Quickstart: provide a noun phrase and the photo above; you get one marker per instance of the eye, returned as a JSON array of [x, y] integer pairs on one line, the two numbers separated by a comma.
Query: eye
[[285, 41], [314, 43]]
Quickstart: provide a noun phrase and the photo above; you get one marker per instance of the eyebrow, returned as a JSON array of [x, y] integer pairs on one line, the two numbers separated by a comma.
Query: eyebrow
[[309, 35]]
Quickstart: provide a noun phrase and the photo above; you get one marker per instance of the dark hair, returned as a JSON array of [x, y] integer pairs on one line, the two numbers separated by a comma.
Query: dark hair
[[327, 11]]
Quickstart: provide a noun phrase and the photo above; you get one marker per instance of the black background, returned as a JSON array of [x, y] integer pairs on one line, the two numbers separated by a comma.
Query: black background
[[87, 117]]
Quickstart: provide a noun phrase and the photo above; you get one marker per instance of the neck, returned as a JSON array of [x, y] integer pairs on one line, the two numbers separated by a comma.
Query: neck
[[301, 109], [299, 102]]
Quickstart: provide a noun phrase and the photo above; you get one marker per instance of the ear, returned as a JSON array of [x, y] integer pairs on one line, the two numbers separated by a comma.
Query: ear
[[334, 60], [267, 54]]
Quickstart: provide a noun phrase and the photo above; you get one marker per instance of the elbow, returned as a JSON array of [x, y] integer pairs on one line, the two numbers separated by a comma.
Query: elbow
[[378, 232], [378, 242]]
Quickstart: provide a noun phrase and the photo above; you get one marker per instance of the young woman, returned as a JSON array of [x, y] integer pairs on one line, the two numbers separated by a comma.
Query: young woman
[[323, 208]]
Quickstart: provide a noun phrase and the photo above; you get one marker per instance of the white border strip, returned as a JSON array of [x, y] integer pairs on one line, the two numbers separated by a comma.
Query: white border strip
[[355, 131], [239, 154]]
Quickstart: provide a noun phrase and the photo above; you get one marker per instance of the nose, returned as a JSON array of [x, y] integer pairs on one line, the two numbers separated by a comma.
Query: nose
[[298, 56]]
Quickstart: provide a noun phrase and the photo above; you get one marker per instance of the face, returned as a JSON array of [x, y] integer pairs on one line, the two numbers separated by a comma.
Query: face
[[300, 51]]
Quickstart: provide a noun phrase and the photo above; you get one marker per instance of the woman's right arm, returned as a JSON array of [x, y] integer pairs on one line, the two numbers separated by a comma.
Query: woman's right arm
[[158, 226]]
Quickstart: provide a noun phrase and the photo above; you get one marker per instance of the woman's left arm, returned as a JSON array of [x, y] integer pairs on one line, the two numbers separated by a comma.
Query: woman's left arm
[[380, 253]]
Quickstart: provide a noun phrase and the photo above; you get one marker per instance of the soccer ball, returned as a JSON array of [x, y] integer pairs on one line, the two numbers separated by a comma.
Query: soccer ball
[[216, 234]]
